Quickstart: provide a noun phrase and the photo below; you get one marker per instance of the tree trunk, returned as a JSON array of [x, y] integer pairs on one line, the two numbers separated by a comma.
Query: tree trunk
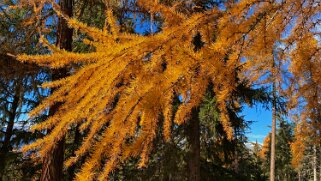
[[11, 118], [314, 163], [193, 134], [272, 162], [320, 163], [236, 158], [6, 146], [52, 167]]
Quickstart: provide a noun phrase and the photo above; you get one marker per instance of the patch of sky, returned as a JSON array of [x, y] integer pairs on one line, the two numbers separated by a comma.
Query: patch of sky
[[261, 118], [142, 25], [251, 11]]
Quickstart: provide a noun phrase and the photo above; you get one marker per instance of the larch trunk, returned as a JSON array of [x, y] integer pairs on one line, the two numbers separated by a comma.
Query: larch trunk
[[193, 133], [52, 166], [272, 161]]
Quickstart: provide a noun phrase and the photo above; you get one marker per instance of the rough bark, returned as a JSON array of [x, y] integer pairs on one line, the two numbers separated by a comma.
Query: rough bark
[[52, 166], [193, 133]]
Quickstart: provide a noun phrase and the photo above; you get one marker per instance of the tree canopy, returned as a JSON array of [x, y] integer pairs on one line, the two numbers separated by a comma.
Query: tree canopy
[[125, 88]]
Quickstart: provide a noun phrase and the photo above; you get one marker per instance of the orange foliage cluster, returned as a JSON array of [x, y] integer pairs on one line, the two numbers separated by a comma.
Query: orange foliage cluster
[[265, 147], [247, 33]]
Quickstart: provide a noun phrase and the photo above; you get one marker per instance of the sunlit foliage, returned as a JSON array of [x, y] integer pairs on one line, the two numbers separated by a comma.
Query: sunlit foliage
[[129, 82]]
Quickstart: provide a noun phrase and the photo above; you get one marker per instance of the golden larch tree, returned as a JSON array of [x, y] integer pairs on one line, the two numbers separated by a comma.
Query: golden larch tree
[[122, 89]]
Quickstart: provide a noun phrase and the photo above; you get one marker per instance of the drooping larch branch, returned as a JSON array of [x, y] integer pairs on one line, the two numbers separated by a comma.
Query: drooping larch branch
[[119, 95]]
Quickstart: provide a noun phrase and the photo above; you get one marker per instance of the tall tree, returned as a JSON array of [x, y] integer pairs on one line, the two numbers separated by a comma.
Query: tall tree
[[274, 113], [52, 164], [306, 83], [284, 169], [18, 90]]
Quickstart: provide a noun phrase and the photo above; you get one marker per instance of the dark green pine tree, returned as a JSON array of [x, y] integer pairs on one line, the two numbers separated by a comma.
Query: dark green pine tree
[[284, 137], [18, 92], [284, 170]]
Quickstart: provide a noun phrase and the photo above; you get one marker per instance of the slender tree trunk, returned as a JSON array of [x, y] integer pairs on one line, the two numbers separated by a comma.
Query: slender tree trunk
[[272, 162], [320, 162], [52, 167], [193, 133], [6, 146], [152, 23], [319, 131], [314, 162], [11, 118]]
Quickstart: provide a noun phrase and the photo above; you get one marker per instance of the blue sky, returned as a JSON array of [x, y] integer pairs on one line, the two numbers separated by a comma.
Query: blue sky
[[261, 125]]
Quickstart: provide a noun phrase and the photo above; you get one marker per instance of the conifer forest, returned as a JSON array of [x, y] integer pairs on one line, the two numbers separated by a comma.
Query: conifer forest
[[160, 90]]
